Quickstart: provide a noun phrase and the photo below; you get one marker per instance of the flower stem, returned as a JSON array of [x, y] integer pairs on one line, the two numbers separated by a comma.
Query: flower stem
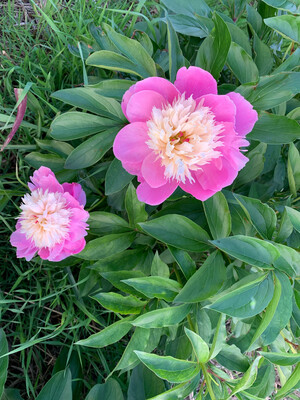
[[207, 380]]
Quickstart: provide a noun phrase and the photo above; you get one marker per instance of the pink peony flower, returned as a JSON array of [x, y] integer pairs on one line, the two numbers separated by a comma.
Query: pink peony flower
[[53, 220], [183, 135]]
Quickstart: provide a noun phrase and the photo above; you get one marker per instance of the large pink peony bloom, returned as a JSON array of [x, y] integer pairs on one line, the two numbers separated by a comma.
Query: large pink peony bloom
[[53, 220], [183, 135]]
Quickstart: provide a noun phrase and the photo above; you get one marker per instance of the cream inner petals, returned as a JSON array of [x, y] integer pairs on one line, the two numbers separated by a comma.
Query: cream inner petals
[[184, 135], [44, 218]]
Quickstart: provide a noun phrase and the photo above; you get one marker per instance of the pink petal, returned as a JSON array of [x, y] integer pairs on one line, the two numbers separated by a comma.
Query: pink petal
[[221, 106], [149, 195], [159, 85], [19, 117], [75, 189], [153, 172], [214, 179], [130, 143], [246, 117], [132, 167], [140, 105], [195, 81], [196, 189], [44, 253], [25, 248], [45, 179], [79, 214]]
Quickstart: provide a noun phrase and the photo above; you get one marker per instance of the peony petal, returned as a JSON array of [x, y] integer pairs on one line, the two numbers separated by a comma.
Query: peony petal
[[149, 195], [45, 179], [153, 172], [25, 248], [195, 81], [221, 106], [140, 105], [246, 117], [130, 143], [196, 189], [75, 190], [214, 179], [159, 85], [132, 168]]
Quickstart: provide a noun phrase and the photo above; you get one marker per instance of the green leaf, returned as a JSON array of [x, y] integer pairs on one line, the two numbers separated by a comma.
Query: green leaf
[[289, 260], [261, 215], [113, 87], [246, 298], [275, 129], [116, 178], [294, 217], [114, 62], [289, 384], [159, 268], [127, 260], [239, 37], [231, 358], [3, 360], [212, 53], [254, 166], [134, 51], [54, 146], [177, 231], [248, 379], [109, 335], [11, 394], [162, 317], [286, 5], [191, 8], [241, 64], [290, 63], [198, 27], [120, 304], [179, 391], [59, 387], [169, 368], [264, 383], [74, 125], [271, 90], [184, 261], [89, 99], [219, 337], [116, 278], [144, 384], [143, 340], [283, 359], [200, 348], [283, 311], [155, 287], [218, 216], [293, 169], [135, 209], [92, 150], [286, 25], [52, 161], [263, 55], [269, 313], [109, 390], [176, 59], [211, 274], [102, 223], [249, 249], [106, 246]]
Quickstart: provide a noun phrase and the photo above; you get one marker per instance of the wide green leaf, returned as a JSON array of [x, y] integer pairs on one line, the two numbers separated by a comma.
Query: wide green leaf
[[162, 317], [198, 27], [111, 334], [52, 161], [107, 245], [102, 223], [292, 6], [246, 298], [176, 59], [283, 359], [292, 381], [205, 282], [275, 129], [200, 348], [294, 217], [212, 53], [113, 87], [191, 8], [169, 368], [241, 64], [248, 379], [135, 208], [116, 177], [74, 125], [120, 304], [155, 287], [184, 261], [117, 279], [109, 390], [251, 250], [218, 215], [59, 387], [92, 150], [232, 358], [287, 25], [89, 99], [177, 231]]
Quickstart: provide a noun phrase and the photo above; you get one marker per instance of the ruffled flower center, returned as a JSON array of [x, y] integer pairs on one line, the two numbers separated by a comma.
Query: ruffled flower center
[[44, 218], [184, 135]]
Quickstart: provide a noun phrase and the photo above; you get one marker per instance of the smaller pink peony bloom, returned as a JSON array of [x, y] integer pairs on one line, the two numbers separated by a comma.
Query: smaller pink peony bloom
[[53, 220], [183, 135]]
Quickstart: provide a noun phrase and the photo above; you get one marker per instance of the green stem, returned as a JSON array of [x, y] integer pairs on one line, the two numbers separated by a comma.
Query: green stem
[[207, 380]]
